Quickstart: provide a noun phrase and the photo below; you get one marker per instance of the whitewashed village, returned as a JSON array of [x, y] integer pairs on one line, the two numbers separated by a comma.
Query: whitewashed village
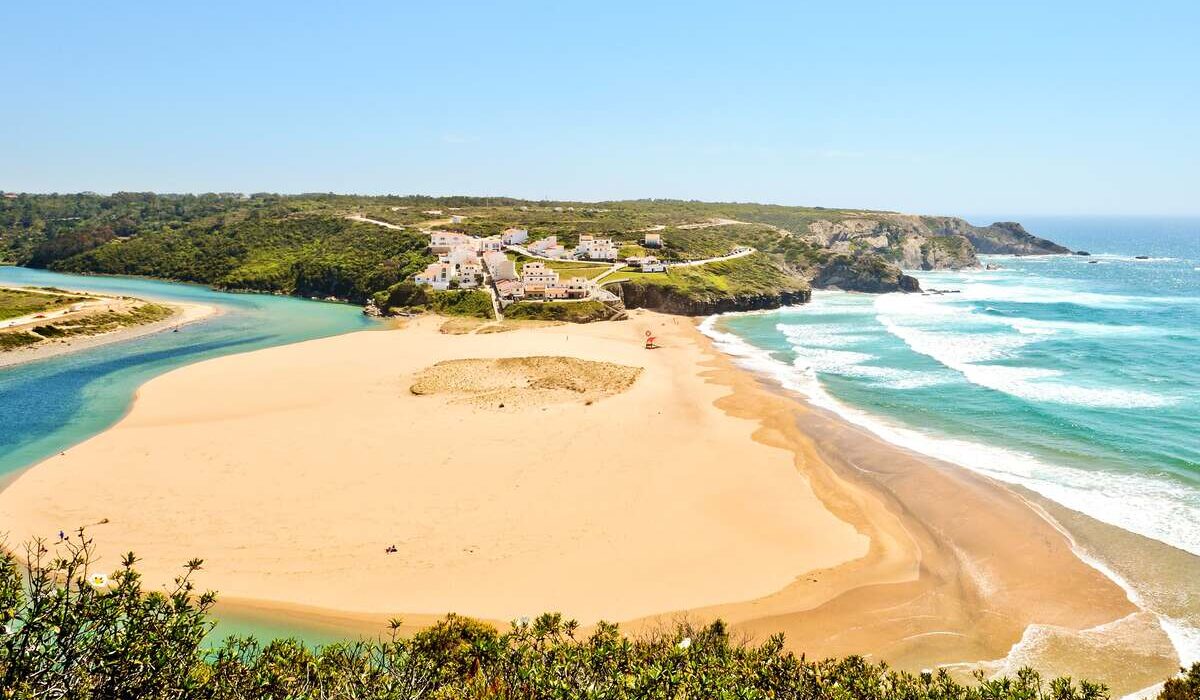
[[466, 262]]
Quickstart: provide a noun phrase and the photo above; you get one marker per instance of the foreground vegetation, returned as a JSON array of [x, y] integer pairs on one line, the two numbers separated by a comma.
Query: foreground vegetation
[[69, 631]]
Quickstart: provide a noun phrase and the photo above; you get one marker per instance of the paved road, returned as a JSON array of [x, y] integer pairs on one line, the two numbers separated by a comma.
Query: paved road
[[615, 266]]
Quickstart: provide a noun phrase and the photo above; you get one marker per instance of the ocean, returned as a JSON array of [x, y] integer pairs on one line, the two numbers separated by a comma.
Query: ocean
[[1075, 377]]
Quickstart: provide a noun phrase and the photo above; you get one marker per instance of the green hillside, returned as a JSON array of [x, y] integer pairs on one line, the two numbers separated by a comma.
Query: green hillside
[[305, 244]]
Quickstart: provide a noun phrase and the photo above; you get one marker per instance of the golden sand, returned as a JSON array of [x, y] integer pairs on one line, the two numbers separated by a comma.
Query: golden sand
[[616, 483]]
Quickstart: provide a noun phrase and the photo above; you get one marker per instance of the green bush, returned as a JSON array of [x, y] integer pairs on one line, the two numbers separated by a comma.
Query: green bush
[[70, 634], [402, 295], [571, 311], [461, 302]]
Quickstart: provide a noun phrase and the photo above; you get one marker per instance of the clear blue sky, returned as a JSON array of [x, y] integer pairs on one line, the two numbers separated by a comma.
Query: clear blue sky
[[954, 107]]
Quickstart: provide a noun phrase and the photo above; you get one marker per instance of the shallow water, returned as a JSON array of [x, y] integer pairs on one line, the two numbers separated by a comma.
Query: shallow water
[[1076, 377], [49, 405]]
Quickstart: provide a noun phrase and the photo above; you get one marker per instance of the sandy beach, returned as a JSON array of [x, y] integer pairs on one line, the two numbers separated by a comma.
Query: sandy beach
[[667, 482]]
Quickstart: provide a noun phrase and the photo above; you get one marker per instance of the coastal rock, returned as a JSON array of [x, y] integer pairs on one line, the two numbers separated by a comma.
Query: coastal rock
[[668, 300], [907, 240], [864, 273], [1000, 238]]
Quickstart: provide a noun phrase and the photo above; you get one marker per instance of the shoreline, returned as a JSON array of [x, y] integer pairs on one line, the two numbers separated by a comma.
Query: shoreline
[[184, 313], [955, 572], [1164, 590]]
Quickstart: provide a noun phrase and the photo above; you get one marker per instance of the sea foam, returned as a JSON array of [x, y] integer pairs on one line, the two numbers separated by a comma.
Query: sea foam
[[968, 342], [1149, 505]]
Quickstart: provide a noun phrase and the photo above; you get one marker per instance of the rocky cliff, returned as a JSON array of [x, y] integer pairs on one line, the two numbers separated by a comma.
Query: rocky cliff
[[1004, 238], [672, 301], [863, 273], [924, 242]]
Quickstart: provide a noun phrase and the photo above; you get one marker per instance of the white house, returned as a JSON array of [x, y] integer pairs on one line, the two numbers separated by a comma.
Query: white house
[[499, 266], [469, 273], [652, 240], [510, 289], [556, 291], [557, 252], [437, 275], [444, 241], [490, 243], [542, 244], [456, 219], [537, 273], [594, 248], [515, 236], [462, 255], [578, 287], [648, 263]]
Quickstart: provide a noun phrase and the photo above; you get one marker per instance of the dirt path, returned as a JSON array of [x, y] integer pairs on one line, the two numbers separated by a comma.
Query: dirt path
[[377, 222]]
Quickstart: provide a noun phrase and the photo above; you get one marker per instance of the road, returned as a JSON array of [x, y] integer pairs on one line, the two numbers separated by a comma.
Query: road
[[377, 222], [739, 252]]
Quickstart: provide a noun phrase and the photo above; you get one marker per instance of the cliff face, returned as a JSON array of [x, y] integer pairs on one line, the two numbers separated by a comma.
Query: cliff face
[[904, 240], [1010, 238], [864, 273], [926, 242], [672, 301]]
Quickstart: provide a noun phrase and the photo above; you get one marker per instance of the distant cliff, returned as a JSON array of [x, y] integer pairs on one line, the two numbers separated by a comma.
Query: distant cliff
[[925, 242], [1002, 238]]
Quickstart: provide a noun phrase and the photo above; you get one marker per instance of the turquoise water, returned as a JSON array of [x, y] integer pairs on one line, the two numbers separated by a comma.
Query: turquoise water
[[1077, 377], [50, 405]]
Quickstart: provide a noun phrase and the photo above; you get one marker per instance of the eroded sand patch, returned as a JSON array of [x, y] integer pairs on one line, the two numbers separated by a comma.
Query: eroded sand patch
[[525, 381]]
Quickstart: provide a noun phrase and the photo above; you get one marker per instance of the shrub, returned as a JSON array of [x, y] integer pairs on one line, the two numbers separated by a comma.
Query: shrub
[[70, 634]]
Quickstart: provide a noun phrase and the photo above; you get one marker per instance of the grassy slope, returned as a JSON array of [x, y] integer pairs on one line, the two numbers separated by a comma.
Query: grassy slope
[[755, 274]]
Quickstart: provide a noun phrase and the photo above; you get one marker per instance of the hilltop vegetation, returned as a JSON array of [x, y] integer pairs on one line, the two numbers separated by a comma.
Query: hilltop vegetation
[[751, 282], [70, 631], [305, 245]]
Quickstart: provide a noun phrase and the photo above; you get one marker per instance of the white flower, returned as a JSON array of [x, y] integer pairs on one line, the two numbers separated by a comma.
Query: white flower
[[98, 581], [685, 643], [522, 622]]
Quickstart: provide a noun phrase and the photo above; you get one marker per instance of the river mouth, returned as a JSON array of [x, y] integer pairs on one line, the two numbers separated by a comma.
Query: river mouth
[[46, 406]]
